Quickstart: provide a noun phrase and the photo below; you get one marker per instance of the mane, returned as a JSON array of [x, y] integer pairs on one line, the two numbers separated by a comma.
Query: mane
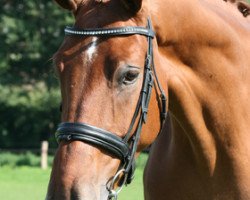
[[242, 5]]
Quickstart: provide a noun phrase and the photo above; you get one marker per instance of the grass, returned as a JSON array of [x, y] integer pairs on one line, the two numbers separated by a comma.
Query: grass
[[21, 183], [134, 191], [30, 183]]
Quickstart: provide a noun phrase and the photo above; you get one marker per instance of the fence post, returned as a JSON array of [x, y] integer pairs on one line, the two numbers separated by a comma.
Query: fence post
[[44, 154]]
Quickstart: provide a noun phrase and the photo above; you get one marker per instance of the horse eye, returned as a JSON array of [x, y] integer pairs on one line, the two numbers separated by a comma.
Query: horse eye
[[130, 77]]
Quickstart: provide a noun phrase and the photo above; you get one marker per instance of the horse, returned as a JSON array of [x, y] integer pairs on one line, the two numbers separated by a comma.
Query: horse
[[171, 73]]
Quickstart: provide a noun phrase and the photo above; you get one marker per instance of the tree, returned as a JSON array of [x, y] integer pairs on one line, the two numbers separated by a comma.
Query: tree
[[30, 32]]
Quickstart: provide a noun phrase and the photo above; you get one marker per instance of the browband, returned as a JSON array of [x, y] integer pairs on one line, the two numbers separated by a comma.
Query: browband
[[127, 30]]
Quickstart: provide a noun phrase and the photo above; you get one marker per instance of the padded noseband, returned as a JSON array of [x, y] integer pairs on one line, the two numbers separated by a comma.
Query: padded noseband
[[101, 138]]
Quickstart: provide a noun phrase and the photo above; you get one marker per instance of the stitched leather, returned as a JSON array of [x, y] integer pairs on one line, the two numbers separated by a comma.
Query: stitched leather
[[93, 135], [127, 30]]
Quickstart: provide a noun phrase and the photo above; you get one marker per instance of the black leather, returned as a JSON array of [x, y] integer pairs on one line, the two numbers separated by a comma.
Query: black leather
[[116, 31], [93, 135]]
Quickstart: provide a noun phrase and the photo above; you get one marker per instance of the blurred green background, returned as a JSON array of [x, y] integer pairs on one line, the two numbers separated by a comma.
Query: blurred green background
[[30, 33], [22, 179]]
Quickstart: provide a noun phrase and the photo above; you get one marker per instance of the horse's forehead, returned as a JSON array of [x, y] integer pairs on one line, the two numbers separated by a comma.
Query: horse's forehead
[[90, 49]]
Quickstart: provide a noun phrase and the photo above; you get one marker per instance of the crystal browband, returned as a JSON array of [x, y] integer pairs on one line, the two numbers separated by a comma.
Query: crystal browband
[[129, 30]]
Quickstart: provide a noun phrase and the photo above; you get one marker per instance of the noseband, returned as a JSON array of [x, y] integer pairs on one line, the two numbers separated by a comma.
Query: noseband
[[121, 148]]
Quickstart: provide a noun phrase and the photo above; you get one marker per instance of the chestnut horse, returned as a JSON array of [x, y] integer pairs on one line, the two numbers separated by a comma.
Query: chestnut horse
[[111, 59]]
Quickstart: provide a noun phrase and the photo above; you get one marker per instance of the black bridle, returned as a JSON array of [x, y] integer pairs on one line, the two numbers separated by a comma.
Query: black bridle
[[122, 148]]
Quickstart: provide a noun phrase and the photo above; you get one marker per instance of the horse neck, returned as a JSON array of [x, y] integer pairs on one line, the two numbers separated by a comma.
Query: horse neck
[[167, 17], [199, 45], [172, 18]]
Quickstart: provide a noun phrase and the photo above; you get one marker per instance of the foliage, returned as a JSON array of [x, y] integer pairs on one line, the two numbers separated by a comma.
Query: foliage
[[24, 159], [8, 159], [30, 32], [33, 160]]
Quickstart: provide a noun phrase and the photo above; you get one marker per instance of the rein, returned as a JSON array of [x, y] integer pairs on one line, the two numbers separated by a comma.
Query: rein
[[122, 148]]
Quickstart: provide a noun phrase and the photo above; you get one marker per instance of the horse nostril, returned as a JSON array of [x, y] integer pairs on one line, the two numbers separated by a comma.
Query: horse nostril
[[74, 195], [81, 192], [89, 192]]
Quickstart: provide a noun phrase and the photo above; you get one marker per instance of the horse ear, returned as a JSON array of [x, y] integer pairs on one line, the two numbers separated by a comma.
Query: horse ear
[[133, 5], [69, 4]]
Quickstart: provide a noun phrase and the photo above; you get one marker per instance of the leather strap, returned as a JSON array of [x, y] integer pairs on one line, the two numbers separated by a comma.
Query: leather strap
[[93, 135], [127, 30]]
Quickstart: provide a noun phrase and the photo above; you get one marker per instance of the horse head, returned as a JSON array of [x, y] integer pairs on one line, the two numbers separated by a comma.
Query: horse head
[[113, 104]]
